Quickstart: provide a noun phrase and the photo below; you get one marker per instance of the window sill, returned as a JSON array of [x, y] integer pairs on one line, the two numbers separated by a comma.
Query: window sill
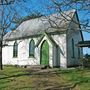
[[31, 57], [72, 57], [15, 57]]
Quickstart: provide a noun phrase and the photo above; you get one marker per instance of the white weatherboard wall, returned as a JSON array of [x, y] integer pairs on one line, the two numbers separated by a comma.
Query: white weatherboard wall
[[76, 60], [75, 34], [23, 52], [60, 40]]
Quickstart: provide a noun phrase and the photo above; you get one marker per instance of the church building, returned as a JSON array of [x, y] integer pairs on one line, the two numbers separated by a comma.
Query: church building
[[49, 40]]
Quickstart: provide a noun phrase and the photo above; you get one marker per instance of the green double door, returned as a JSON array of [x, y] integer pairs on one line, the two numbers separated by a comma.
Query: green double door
[[44, 53]]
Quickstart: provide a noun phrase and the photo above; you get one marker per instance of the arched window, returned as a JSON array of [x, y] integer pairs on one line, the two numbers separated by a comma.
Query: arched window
[[73, 48], [78, 52], [31, 48], [15, 49]]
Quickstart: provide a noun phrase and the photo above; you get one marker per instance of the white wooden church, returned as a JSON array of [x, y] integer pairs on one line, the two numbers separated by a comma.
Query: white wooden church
[[49, 41]]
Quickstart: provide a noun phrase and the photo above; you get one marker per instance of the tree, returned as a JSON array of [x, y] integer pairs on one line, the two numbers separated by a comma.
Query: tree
[[6, 2], [4, 24], [19, 20], [9, 13], [82, 6], [79, 5]]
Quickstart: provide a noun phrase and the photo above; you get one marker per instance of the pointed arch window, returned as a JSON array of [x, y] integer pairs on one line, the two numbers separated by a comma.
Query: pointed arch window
[[15, 49], [31, 48], [78, 52], [73, 55]]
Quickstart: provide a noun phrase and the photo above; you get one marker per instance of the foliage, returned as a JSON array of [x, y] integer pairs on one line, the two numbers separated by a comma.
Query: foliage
[[87, 56]]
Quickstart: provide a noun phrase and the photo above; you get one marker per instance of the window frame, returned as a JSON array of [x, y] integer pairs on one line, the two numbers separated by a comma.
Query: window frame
[[73, 51], [15, 50], [31, 48], [79, 53]]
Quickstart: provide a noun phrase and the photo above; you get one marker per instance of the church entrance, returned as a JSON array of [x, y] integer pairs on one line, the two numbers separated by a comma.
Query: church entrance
[[44, 59]]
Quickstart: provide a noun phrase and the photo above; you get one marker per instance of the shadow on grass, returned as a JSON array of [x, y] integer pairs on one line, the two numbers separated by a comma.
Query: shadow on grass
[[18, 75], [6, 79], [21, 88]]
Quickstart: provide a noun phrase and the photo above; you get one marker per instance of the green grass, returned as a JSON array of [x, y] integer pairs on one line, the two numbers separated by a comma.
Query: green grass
[[13, 78]]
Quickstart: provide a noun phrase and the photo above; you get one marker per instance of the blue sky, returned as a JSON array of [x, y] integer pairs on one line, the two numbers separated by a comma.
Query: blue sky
[[41, 5], [86, 37], [83, 15]]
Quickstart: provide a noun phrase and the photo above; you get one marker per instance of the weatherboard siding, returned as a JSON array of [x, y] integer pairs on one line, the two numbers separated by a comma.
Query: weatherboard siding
[[60, 45], [74, 61], [23, 52], [60, 39], [75, 34]]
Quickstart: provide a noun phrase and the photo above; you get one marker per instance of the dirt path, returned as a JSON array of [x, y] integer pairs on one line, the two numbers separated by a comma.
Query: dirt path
[[49, 79]]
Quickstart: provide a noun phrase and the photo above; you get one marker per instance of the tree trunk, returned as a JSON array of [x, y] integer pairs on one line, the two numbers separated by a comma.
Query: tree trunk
[[1, 66]]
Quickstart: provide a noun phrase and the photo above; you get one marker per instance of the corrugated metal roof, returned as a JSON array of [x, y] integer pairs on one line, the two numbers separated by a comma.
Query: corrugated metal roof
[[83, 44], [52, 23]]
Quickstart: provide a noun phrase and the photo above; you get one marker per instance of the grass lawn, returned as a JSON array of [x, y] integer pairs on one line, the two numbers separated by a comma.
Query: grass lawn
[[13, 78]]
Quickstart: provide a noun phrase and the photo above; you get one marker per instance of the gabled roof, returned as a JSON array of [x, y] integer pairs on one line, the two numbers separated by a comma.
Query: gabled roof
[[52, 23], [49, 38]]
